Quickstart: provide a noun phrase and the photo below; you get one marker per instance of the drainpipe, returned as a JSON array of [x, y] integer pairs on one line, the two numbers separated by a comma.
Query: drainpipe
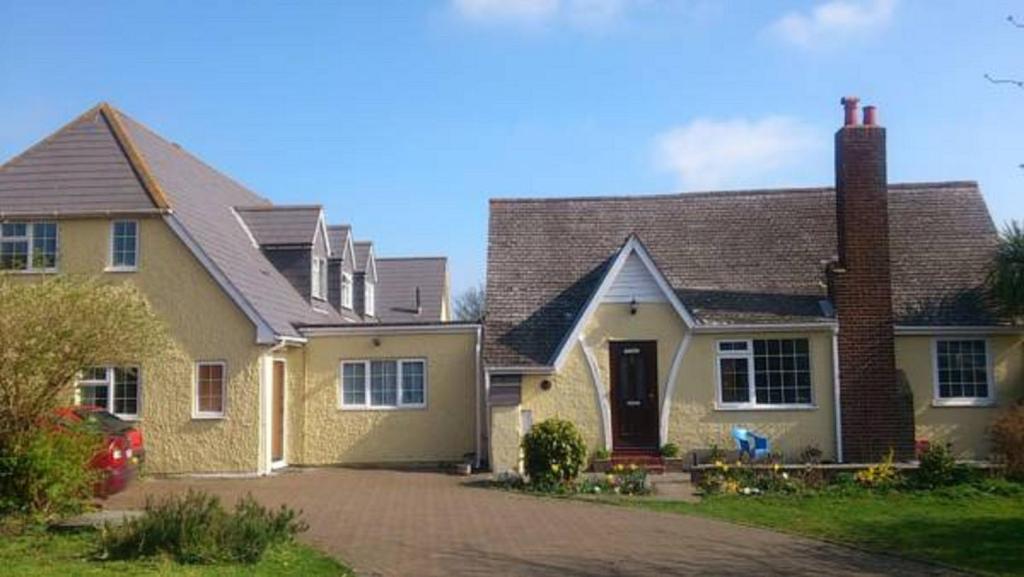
[[477, 408], [835, 394]]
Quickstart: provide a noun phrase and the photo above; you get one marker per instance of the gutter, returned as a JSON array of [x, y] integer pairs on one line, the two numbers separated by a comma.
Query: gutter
[[777, 328], [4, 215], [377, 329], [523, 370], [911, 330], [477, 370]]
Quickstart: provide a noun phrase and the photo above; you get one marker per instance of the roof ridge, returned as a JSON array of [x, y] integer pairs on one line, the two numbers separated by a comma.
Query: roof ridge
[[412, 258], [135, 159], [273, 207], [339, 226], [893, 186]]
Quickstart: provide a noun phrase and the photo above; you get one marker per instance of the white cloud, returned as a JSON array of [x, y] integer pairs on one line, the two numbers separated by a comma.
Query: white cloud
[[833, 20], [584, 13], [709, 153]]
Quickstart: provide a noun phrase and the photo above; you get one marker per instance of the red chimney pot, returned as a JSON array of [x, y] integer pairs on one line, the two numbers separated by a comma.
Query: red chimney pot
[[870, 116], [850, 107]]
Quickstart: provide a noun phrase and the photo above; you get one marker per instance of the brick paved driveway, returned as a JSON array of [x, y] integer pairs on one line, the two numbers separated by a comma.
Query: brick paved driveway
[[424, 524]]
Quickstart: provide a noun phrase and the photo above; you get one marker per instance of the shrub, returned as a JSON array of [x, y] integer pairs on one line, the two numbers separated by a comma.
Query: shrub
[[621, 480], [670, 450], [45, 473], [553, 453], [938, 468], [195, 528], [1007, 434], [811, 455], [601, 454], [883, 475]]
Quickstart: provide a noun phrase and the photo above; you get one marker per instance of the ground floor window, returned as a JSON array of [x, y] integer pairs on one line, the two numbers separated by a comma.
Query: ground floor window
[[210, 389], [384, 384], [764, 372], [962, 372], [115, 389]]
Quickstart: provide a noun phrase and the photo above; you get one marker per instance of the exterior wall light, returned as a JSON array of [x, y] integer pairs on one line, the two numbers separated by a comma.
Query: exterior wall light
[[632, 306]]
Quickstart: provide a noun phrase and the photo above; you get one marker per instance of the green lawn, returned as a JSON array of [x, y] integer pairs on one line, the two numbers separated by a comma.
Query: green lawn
[[979, 532], [69, 554]]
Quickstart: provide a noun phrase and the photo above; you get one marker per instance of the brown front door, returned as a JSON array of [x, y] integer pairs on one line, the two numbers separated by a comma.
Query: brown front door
[[277, 414], [634, 394]]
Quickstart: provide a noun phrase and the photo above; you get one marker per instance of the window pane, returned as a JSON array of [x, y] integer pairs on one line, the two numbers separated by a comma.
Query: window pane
[[962, 369], [353, 384], [383, 383], [44, 245], [412, 383], [14, 255], [9, 229], [126, 391], [95, 395], [782, 371], [210, 388], [735, 380]]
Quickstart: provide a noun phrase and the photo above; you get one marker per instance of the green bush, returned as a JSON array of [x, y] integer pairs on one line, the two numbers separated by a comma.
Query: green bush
[[670, 450], [602, 454], [1007, 434], [45, 473], [553, 453], [195, 528], [938, 468]]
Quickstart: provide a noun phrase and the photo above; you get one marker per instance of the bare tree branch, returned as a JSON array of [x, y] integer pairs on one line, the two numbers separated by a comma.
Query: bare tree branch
[[1014, 21], [1013, 81]]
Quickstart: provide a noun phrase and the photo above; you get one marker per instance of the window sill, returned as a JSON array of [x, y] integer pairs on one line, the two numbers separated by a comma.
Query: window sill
[[121, 269], [30, 271], [741, 408], [209, 417], [367, 409], [128, 418], [963, 403]]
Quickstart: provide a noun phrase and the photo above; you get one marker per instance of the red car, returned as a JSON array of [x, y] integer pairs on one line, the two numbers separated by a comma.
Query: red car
[[122, 451]]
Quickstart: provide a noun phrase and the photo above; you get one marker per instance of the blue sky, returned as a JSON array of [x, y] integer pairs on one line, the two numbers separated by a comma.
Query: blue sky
[[403, 118]]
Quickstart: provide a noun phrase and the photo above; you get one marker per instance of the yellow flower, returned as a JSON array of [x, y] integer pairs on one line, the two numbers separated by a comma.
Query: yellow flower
[[725, 467], [776, 467], [554, 467], [632, 466], [718, 464], [618, 467], [610, 478]]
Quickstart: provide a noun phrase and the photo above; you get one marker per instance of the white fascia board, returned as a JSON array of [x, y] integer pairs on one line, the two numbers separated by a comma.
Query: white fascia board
[[321, 229], [765, 328], [632, 245], [524, 370], [909, 330], [370, 329], [265, 335]]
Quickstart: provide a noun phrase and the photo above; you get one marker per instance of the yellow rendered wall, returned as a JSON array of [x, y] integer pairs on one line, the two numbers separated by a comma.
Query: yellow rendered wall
[[695, 422], [966, 428], [506, 424], [204, 324], [443, 431]]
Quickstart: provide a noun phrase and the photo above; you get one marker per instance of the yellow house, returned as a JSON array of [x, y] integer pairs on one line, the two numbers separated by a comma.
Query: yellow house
[[275, 360], [847, 320], [850, 320]]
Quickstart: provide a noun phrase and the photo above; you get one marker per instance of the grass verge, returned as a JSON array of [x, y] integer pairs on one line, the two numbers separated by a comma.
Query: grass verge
[[43, 554], [978, 532]]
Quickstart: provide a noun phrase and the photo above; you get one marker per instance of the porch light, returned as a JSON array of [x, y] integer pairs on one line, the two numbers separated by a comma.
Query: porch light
[[632, 306]]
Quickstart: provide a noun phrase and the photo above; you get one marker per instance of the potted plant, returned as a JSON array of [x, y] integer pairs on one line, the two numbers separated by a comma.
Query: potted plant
[[670, 455], [601, 462]]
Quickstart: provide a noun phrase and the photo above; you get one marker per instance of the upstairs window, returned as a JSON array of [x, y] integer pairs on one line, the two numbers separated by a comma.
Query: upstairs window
[[115, 389], [764, 372], [124, 245], [962, 375], [368, 295], [318, 278], [29, 247], [384, 384], [346, 290]]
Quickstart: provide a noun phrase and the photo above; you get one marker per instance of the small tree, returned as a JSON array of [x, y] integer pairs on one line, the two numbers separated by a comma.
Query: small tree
[[1006, 279], [471, 304], [53, 329], [553, 453]]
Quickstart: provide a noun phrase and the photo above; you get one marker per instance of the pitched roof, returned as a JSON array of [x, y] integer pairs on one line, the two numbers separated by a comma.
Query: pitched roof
[[397, 282], [337, 236], [282, 225], [81, 168], [106, 161], [744, 257]]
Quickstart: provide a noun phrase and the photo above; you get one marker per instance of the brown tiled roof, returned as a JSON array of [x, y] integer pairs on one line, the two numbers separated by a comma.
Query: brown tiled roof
[[362, 256], [337, 236], [282, 225], [743, 257], [397, 282]]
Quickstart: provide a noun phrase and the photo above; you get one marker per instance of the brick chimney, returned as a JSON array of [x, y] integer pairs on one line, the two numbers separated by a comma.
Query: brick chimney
[[877, 412]]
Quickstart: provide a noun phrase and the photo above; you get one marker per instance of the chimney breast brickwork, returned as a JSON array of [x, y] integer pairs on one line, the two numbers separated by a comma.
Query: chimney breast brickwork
[[877, 412]]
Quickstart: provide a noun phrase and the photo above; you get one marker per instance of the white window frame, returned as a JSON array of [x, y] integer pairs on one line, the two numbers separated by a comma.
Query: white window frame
[[196, 412], [752, 404], [369, 297], [111, 267], [346, 290], [109, 383], [366, 405], [30, 239], [318, 278], [986, 401]]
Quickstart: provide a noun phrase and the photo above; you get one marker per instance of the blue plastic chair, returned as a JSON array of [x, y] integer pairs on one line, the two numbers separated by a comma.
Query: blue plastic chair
[[742, 438], [750, 443]]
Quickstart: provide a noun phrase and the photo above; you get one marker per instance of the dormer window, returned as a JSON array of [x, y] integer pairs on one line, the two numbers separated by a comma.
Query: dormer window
[[346, 290], [368, 296], [318, 278]]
